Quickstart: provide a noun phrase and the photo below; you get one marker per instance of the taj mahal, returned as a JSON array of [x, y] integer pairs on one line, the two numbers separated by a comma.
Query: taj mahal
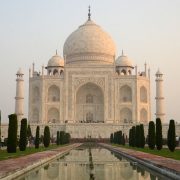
[[89, 91]]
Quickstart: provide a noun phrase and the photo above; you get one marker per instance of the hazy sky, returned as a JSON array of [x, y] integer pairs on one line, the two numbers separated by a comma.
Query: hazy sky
[[31, 31]]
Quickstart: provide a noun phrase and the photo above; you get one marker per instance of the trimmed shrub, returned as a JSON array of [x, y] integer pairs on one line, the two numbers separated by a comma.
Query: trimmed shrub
[[23, 135], [133, 136], [57, 138], [142, 137], [130, 137], [37, 138], [29, 133], [12, 134], [171, 138], [46, 139], [111, 138], [61, 137], [151, 135], [137, 135], [159, 138], [123, 139]]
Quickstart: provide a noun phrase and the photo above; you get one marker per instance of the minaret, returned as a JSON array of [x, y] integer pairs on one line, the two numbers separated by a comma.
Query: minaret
[[19, 99], [159, 96]]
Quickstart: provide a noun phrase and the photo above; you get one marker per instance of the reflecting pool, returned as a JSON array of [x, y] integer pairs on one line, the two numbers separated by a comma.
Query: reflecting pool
[[91, 163]]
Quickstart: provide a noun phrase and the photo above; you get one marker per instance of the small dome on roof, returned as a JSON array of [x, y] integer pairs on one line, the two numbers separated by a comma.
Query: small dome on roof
[[56, 61], [159, 72], [124, 61], [20, 72]]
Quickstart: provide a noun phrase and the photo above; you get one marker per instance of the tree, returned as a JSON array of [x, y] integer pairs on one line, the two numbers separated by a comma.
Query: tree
[[119, 137], [58, 138], [29, 133], [159, 139], [47, 136], [171, 138], [23, 135], [37, 138], [151, 135], [111, 138], [61, 137], [115, 138], [142, 137], [137, 135], [12, 134], [123, 140], [133, 136], [130, 137]]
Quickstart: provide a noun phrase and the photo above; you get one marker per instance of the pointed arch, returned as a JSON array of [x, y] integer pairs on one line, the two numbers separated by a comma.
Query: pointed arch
[[125, 94], [143, 94], [53, 115], [36, 94], [53, 93], [126, 115], [35, 115], [143, 115], [90, 103]]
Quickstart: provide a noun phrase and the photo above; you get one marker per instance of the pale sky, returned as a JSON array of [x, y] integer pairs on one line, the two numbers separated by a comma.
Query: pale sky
[[31, 31]]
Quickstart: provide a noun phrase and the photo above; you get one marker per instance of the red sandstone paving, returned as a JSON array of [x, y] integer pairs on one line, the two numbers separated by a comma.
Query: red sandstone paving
[[13, 165], [154, 159]]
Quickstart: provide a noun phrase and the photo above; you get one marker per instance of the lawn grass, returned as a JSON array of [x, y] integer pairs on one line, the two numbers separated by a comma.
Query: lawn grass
[[29, 150], [163, 152]]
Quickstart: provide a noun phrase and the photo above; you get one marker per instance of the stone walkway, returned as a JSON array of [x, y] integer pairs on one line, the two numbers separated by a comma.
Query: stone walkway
[[159, 161], [19, 165]]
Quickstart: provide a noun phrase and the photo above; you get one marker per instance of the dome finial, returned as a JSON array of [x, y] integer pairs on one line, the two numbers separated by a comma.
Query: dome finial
[[89, 13]]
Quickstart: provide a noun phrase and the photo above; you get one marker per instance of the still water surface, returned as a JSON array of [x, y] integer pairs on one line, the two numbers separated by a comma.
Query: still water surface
[[89, 162]]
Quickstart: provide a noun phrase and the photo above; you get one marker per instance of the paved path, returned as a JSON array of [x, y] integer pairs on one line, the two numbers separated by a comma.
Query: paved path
[[159, 161], [22, 164]]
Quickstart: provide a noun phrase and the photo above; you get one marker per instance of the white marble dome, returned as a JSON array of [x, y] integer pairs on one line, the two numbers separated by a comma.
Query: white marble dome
[[124, 61], [89, 43], [56, 61]]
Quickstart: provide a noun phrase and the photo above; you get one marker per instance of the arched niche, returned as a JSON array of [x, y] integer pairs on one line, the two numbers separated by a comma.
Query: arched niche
[[125, 94], [53, 115], [53, 94], [36, 94], [143, 94], [123, 72], [90, 103], [143, 115], [35, 115], [55, 72], [126, 115]]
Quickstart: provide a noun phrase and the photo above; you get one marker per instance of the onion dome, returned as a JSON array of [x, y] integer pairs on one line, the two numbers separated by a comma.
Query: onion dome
[[124, 61], [56, 61], [89, 43]]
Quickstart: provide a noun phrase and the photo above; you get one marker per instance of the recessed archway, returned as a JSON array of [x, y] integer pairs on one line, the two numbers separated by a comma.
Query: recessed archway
[[90, 104], [143, 94], [143, 116], [125, 94], [53, 93], [53, 115], [126, 115]]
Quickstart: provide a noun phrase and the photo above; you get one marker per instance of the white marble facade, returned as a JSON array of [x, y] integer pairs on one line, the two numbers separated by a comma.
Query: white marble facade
[[90, 87]]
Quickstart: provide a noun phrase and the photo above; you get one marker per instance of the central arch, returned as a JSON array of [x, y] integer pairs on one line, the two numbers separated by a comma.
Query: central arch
[[90, 104]]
